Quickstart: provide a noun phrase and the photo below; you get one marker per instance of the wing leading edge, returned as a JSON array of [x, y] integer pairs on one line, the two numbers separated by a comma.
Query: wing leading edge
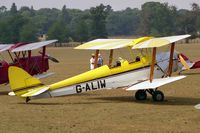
[[139, 43], [106, 44], [5, 47], [159, 42], [32, 46]]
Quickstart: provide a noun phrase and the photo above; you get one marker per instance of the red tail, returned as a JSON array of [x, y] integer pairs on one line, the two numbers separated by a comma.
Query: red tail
[[185, 57], [196, 63]]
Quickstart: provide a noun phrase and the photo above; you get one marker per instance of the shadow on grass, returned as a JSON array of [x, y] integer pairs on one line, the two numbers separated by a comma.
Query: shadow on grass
[[67, 103], [4, 92], [169, 100], [191, 73]]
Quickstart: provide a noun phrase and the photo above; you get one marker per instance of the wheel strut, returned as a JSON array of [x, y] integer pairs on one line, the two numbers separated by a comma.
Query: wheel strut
[[157, 95]]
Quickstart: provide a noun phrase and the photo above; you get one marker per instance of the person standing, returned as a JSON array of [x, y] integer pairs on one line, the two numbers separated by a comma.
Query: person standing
[[100, 61], [92, 61]]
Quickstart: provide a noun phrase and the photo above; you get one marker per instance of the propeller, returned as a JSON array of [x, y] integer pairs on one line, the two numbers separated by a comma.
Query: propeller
[[52, 59], [183, 62]]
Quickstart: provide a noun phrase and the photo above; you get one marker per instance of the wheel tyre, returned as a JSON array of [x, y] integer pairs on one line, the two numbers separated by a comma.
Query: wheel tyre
[[158, 96], [141, 95]]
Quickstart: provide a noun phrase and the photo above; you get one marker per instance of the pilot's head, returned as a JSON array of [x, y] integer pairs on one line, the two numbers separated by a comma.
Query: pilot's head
[[137, 58]]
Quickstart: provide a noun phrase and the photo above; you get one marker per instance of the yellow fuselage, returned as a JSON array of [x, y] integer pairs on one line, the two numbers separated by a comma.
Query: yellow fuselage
[[100, 72]]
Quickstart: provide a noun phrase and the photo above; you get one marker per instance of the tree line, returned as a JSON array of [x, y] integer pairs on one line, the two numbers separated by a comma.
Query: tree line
[[153, 19]]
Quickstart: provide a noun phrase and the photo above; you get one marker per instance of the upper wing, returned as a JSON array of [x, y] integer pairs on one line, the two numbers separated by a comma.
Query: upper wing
[[32, 46], [154, 84], [106, 44], [143, 42], [5, 47], [159, 42], [2, 46]]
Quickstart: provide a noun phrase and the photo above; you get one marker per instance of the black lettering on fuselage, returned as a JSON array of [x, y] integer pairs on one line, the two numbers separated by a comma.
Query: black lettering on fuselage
[[98, 84], [91, 86], [78, 89], [103, 83], [87, 87]]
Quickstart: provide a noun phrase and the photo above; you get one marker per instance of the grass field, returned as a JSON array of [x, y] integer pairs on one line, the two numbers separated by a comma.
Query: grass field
[[109, 111]]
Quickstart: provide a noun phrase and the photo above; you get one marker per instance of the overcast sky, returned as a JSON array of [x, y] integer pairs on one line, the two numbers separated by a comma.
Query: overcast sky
[[86, 4]]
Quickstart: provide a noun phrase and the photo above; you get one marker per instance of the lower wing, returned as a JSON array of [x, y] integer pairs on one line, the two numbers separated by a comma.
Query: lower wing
[[154, 84]]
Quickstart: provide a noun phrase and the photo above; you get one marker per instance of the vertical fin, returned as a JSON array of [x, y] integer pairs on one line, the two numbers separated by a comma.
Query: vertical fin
[[20, 79]]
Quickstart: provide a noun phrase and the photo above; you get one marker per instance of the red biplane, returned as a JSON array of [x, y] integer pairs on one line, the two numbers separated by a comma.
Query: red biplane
[[21, 56]]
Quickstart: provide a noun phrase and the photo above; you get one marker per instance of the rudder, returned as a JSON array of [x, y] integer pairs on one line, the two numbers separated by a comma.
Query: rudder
[[20, 80]]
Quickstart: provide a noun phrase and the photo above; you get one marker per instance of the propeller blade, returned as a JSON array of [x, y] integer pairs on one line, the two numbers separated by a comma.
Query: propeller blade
[[184, 63], [52, 59]]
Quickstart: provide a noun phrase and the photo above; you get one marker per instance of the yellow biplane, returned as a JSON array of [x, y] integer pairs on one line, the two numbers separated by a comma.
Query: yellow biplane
[[143, 75]]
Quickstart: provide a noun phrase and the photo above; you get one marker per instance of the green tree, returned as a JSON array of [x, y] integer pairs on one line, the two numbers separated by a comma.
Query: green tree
[[186, 22], [58, 31], [3, 9], [45, 18], [196, 18], [10, 29], [11, 25], [13, 9], [157, 19], [154, 18], [16, 24], [26, 12], [124, 22], [65, 15], [82, 33], [32, 11], [28, 33], [3, 12], [195, 7], [98, 17], [4, 33]]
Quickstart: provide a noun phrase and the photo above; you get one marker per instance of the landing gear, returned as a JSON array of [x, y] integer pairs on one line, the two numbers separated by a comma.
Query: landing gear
[[141, 95], [157, 95]]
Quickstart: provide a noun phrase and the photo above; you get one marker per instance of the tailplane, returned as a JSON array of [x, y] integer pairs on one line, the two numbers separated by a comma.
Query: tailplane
[[23, 84]]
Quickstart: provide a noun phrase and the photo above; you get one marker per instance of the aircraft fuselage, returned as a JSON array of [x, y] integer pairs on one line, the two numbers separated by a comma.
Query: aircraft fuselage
[[109, 82]]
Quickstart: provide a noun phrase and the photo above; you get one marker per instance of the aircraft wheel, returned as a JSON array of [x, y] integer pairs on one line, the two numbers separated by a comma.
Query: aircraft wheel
[[158, 96], [141, 95]]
